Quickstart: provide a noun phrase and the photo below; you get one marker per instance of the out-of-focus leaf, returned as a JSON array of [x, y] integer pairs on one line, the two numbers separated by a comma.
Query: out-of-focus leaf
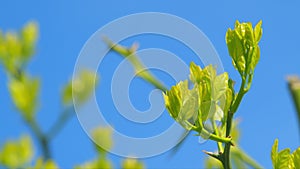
[[24, 93], [17, 48], [212, 163], [96, 164], [83, 86], [15, 154], [41, 164], [103, 138], [132, 163], [296, 158], [29, 37]]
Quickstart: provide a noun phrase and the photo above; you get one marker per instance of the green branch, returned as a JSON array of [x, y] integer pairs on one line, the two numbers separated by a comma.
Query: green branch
[[140, 69], [60, 122]]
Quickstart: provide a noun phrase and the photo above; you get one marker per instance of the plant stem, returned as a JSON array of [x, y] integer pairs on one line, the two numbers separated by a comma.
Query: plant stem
[[60, 122], [41, 137], [225, 159], [140, 69], [220, 146]]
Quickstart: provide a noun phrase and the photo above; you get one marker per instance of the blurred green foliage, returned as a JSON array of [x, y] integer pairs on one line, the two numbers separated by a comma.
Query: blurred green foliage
[[24, 92], [16, 49], [284, 158], [80, 88], [15, 154]]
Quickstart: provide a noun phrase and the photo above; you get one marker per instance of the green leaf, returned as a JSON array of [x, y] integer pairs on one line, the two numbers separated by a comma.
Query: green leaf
[[82, 88], [258, 31], [208, 99], [29, 35], [236, 50], [242, 44], [16, 154], [220, 86], [274, 152], [131, 163], [103, 138], [296, 158], [183, 104], [24, 93], [96, 164], [195, 73], [283, 159], [17, 48], [40, 163]]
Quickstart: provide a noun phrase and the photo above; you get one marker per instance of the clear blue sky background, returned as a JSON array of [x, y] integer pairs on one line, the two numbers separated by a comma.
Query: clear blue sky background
[[266, 112]]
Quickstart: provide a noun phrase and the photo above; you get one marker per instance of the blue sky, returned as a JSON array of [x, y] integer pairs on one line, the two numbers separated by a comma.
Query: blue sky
[[266, 112]]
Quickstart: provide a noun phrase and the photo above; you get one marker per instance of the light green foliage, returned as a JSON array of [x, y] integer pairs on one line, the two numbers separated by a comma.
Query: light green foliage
[[41, 164], [24, 93], [283, 158], [296, 157], [183, 104], [210, 98], [242, 43], [131, 163], [83, 86], [15, 154], [96, 164], [103, 138], [17, 49]]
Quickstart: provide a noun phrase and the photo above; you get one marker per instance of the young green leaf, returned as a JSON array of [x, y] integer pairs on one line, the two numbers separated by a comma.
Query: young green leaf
[[24, 93], [282, 159], [103, 138], [15, 154], [183, 104], [80, 89], [49, 164], [132, 163], [296, 158], [242, 43]]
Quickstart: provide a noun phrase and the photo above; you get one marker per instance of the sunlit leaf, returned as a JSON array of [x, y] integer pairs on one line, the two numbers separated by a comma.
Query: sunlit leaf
[[186, 104], [24, 93], [29, 37], [282, 159], [296, 158], [80, 89], [96, 164], [274, 152], [15, 154], [132, 163], [103, 138], [41, 164], [242, 43]]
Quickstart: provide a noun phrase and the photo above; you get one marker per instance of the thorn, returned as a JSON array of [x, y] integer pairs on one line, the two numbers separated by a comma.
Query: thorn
[[212, 154]]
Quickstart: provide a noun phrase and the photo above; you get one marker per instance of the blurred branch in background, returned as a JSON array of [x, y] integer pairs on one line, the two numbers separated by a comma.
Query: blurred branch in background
[[16, 50], [294, 87]]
